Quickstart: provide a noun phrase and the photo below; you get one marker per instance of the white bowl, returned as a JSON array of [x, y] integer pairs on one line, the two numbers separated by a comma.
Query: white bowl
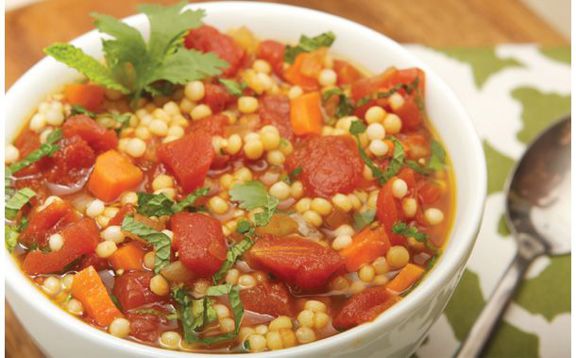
[[398, 331]]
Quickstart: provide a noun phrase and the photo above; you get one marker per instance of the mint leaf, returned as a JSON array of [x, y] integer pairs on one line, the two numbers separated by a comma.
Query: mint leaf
[[122, 120], [45, 150], [219, 290], [308, 44], [397, 160], [78, 109], [417, 167], [345, 106], [160, 241], [90, 67], [231, 256], [154, 204], [233, 87], [357, 127], [190, 199], [250, 195], [17, 202], [363, 219], [401, 228], [10, 237], [437, 156]]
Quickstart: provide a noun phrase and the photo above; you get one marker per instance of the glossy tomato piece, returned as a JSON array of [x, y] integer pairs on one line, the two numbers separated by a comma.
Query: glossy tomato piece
[[410, 113], [364, 307], [295, 260], [275, 110], [428, 192], [346, 72], [93, 260], [212, 125], [217, 97], [80, 238], [200, 242], [27, 142], [209, 39], [133, 289], [72, 161], [121, 214], [417, 146], [188, 158], [386, 80], [148, 327], [48, 221], [268, 298], [330, 165], [97, 137], [388, 212], [273, 52], [88, 96]]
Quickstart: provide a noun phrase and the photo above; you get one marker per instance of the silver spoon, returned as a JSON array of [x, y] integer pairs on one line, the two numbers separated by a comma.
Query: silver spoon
[[538, 214]]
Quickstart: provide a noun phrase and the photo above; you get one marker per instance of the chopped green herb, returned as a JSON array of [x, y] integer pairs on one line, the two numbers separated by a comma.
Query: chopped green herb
[[363, 219], [113, 297], [345, 106], [437, 157], [357, 128], [253, 195], [244, 227], [10, 237], [397, 160], [122, 120], [160, 204], [78, 109], [292, 176], [401, 228], [45, 150], [134, 66], [152, 311], [417, 167], [231, 256], [233, 87], [190, 199], [160, 241], [308, 44], [23, 224], [219, 290], [17, 202]]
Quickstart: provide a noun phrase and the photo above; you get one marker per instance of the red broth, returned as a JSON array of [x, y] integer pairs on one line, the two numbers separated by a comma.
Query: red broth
[[292, 235]]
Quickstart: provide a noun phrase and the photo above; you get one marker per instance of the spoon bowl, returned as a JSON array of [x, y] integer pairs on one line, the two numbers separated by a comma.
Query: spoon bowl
[[538, 214], [538, 201]]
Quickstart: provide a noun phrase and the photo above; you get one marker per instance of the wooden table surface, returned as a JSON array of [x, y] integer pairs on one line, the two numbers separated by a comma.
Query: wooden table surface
[[439, 23]]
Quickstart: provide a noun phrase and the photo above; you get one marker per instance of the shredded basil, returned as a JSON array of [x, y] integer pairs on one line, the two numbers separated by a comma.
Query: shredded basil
[[231, 256], [46, 149], [17, 202], [363, 219], [401, 228], [10, 237], [308, 44], [78, 109], [233, 87], [160, 204], [437, 157]]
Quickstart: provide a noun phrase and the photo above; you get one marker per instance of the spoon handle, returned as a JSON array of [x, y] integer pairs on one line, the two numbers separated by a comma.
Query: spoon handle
[[484, 326]]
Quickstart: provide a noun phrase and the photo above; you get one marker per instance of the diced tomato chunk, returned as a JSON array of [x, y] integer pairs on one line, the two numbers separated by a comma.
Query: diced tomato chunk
[[48, 221], [386, 80], [188, 158], [410, 113], [273, 52], [97, 137], [295, 260], [211, 125], [388, 212], [80, 238], [217, 97], [200, 242], [428, 192], [27, 142], [99, 263], [72, 161], [364, 307], [209, 39], [330, 165], [275, 110], [409, 176], [268, 298], [133, 289], [88, 96], [147, 327], [346, 73]]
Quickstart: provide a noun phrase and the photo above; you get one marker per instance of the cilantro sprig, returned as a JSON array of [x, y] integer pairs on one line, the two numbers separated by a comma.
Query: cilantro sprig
[[133, 65], [308, 44], [160, 241], [401, 228]]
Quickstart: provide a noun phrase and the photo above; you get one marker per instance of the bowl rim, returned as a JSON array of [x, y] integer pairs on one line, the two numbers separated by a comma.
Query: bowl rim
[[441, 273]]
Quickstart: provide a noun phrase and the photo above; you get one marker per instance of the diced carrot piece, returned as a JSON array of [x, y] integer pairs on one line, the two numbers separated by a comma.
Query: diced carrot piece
[[298, 73], [407, 277], [88, 96], [367, 246], [128, 257], [346, 72], [113, 174], [88, 288], [306, 114]]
